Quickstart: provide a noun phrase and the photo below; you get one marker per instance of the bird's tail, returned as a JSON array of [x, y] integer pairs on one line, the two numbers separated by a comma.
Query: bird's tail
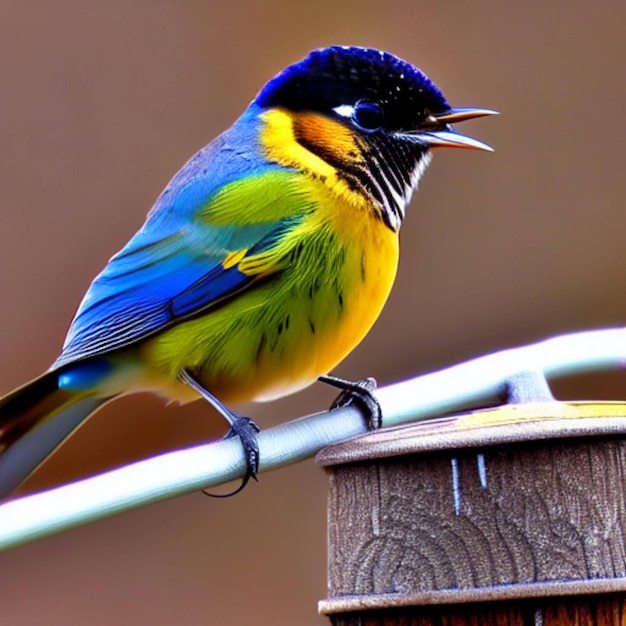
[[34, 420]]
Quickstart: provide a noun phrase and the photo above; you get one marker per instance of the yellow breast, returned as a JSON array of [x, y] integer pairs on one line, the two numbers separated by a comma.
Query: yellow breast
[[333, 304]]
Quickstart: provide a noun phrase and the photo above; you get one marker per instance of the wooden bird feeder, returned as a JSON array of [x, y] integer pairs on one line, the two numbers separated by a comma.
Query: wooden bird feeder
[[507, 516]]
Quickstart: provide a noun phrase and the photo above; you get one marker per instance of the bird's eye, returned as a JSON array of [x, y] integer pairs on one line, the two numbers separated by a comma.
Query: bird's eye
[[368, 115]]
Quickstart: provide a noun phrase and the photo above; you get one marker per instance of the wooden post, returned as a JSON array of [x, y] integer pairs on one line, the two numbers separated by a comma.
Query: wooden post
[[514, 515]]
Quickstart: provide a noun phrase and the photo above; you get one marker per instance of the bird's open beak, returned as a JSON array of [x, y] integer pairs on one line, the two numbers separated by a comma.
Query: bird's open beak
[[445, 137]]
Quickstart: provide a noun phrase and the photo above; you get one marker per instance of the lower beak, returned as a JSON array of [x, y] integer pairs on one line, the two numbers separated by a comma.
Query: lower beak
[[446, 137]]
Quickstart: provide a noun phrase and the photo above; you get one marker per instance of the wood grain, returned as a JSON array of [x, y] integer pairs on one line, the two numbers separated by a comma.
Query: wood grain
[[519, 532], [547, 513]]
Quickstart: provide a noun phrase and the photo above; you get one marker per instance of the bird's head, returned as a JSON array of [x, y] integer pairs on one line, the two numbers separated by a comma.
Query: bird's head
[[369, 115]]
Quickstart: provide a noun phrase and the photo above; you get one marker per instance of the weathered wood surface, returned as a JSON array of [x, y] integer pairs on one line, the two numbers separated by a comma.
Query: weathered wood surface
[[500, 523]]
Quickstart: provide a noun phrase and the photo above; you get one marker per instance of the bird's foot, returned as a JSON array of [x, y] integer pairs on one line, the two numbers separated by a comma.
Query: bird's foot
[[247, 431], [359, 393], [240, 426]]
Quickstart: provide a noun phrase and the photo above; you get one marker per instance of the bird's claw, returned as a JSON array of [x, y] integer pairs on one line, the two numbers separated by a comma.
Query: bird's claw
[[242, 427], [358, 393], [246, 430]]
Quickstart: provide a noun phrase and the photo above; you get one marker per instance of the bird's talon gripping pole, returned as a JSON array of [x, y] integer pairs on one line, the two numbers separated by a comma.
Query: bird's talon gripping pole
[[359, 393], [240, 426]]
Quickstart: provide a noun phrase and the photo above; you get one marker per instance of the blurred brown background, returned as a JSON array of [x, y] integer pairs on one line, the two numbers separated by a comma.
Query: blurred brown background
[[101, 103]]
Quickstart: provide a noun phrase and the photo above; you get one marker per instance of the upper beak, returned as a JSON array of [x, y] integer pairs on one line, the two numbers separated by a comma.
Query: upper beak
[[442, 134]]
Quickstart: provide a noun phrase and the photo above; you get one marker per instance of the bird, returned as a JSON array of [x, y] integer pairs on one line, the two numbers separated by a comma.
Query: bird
[[263, 263]]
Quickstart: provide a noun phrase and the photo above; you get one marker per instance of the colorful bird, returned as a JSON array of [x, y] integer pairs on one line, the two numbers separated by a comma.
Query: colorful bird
[[264, 262]]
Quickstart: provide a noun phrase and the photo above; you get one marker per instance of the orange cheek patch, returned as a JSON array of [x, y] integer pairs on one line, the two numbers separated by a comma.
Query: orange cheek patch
[[329, 136]]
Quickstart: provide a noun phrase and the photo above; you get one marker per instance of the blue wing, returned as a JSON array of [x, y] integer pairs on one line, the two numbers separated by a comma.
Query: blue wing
[[178, 265]]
